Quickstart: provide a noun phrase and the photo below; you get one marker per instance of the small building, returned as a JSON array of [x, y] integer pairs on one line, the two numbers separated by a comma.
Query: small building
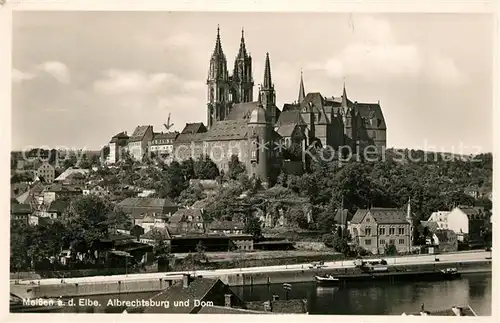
[[55, 209], [241, 242], [440, 218], [46, 173], [446, 240], [465, 221], [150, 221], [187, 221], [20, 212], [57, 191], [152, 237], [140, 206], [226, 227], [280, 306], [375, 228]]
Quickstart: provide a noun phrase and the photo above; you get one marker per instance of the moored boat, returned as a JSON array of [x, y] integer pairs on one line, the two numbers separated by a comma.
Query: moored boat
[[327, 280], [450, 273]]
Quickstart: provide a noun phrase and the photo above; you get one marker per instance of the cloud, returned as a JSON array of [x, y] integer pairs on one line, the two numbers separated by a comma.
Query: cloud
[[375, 54], [19, 76], [57, 69], [132, 81]]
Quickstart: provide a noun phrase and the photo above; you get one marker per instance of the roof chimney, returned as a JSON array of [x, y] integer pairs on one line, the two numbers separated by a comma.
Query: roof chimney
[[186, 280], [227, 300]]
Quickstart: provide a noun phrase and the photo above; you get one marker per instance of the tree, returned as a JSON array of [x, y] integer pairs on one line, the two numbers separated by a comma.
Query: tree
[[236, 168], [173, 182], [390, 249], [253, 227], [87, 219], [205, 168]]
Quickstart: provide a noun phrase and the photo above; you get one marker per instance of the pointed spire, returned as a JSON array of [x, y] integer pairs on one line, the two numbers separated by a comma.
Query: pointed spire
[[259, 99], [408, 209], [344, 97], [302, 92], [267, 74], [218, 46], [243, 51]]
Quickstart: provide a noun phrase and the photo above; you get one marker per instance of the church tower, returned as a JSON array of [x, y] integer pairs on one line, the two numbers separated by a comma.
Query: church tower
[[267, 94], [217, 85], [242, 79], [349, 118], [302, 91]]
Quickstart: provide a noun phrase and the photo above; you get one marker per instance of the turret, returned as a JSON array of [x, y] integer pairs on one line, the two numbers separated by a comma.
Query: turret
[[268, 96], [259, 129]]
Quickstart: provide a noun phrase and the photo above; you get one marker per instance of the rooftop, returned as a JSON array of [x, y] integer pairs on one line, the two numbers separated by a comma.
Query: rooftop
[[381, 215], [71, 171]]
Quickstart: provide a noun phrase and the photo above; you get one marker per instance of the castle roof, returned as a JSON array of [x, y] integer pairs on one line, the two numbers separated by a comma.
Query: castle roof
[[119, 136], [196, 127], [228, 130], [139, 133]]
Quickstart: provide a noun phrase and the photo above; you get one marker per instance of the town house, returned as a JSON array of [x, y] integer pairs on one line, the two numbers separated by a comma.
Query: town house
[[375, 228]]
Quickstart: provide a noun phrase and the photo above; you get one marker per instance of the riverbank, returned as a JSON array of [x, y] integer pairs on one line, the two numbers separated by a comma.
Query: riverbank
[[235, 277]]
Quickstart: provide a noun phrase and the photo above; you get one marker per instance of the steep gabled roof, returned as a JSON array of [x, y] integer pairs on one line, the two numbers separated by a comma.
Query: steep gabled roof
[[191, 128], [359, 216], [58, 206], [241, 111], [139, 133], [388, 215], [372, 112]]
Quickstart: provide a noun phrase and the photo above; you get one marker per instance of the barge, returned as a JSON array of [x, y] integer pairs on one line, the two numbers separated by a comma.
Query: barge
[[368, 276]]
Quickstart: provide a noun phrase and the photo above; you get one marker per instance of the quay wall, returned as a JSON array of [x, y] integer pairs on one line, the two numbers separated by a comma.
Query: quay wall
[[307, 275], [235, 279]]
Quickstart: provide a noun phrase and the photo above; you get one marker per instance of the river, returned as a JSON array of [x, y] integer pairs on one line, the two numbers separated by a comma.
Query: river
[[379, 298]]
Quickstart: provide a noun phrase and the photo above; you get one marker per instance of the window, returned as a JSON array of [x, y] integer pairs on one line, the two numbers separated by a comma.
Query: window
[[381, 231], [368, 231], [368, 241], [392, 230], [367, 220], [382, 241], [391, 241], [401, 241], [401, 231]]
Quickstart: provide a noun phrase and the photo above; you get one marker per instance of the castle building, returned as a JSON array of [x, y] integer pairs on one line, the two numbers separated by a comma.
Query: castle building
[[257, 131]]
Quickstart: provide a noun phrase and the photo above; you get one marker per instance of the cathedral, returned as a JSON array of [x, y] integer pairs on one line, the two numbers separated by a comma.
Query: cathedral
[[257, 130]]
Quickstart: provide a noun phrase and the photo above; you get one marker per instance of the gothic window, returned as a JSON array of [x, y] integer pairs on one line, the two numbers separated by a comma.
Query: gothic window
[[374, 134], [211, 94]]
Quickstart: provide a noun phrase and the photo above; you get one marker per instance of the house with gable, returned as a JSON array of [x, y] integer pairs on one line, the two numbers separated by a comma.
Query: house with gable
[[138, 143], [187, 221], [374, 228]]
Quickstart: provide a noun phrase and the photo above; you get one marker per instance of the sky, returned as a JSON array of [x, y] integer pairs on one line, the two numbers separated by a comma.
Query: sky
[[79, 78]]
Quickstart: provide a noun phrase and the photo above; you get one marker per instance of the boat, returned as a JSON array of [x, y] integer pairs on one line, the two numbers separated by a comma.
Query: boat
[[327, 280], [450, 273]]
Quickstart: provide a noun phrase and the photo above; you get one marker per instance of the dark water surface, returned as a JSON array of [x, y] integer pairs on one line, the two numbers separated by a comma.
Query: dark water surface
[[378, 298]]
